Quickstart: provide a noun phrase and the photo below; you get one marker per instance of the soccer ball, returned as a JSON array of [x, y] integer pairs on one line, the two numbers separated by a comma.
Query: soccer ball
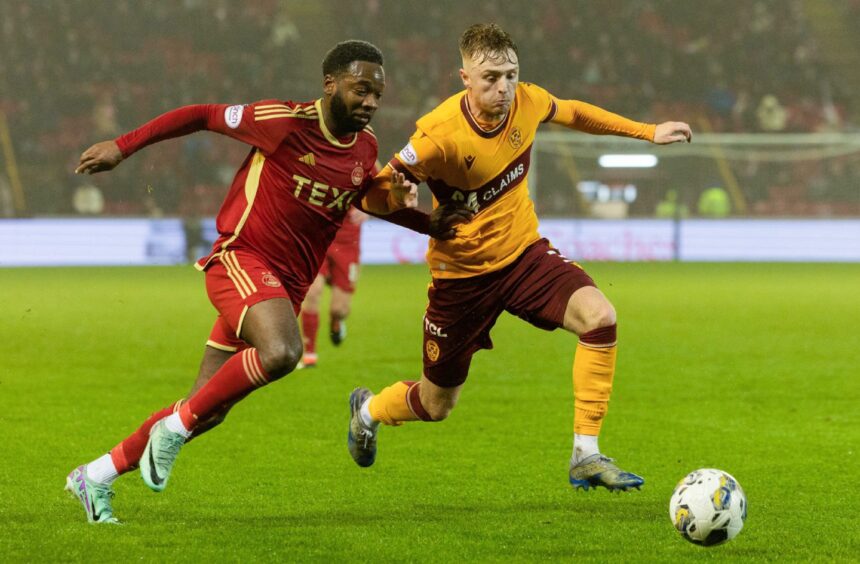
[[708, 507]]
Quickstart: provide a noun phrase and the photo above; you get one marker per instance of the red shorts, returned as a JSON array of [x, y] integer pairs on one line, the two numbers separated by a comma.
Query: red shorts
[[340, 267], [235, 281], [536, 287]]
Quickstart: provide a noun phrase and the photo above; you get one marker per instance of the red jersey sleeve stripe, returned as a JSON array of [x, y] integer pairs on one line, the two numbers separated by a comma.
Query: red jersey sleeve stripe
[[276, 116], [273, 111]]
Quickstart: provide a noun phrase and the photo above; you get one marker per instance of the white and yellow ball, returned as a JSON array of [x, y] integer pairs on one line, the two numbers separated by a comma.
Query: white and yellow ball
[[708, 507]]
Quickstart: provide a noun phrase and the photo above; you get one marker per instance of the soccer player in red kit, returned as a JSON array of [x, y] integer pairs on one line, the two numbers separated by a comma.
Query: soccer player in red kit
[[308, 164], [339, 271]]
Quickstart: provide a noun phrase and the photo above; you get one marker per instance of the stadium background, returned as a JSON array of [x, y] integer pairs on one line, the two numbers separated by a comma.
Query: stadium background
[[775, 67]]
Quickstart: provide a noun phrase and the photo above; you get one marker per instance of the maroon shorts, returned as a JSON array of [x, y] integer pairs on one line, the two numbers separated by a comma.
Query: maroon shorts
[[340, 267], [235, 281], [536, 287]]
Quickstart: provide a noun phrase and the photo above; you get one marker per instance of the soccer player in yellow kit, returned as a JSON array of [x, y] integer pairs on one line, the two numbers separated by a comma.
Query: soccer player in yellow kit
[[473, 151]]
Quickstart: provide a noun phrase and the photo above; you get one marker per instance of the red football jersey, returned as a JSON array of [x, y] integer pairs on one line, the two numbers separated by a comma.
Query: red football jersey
[[350, 231], [292, 192]]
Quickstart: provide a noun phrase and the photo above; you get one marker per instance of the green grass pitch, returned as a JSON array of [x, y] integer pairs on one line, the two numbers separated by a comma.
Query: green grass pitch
[[748, 368]]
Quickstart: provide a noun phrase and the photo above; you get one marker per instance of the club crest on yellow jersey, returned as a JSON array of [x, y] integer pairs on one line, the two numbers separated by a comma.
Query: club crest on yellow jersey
[[516, 138]]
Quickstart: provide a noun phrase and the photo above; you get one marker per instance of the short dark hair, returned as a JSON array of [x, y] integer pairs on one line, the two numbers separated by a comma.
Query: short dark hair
[[345, 53], [488, 40]]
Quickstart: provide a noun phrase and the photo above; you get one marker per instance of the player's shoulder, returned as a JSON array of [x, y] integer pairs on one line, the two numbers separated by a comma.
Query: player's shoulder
[[534, 103], [530, 92], [366, 147], [444, 118], [275, 103], [367, 135], [274, 109]]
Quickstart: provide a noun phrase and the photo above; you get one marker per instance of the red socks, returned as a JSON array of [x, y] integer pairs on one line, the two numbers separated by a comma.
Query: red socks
[[239, 376], [310, 326], [126, 455]]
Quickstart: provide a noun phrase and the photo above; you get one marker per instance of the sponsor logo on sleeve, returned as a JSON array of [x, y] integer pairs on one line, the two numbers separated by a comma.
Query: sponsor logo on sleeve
[[233, 116], [409, 155]]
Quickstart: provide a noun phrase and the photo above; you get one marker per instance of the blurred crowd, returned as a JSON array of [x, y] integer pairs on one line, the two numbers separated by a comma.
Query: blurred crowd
[[78, 71]]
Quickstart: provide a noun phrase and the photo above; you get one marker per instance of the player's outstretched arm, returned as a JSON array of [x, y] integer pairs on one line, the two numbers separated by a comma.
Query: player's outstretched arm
[[99, 158], [175, 123], [595, 120], [672, 132], [445, 219], [440, 224], [234, 121]]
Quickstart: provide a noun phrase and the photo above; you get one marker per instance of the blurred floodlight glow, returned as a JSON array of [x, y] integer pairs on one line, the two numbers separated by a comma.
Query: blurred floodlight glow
[[627, 161]]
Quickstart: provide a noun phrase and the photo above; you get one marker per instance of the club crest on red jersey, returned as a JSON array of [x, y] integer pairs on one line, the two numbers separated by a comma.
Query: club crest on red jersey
[[271, 280], [357, 175]]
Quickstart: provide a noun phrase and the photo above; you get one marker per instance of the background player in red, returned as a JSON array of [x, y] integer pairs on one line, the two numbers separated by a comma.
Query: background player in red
[[308, 163], [339, 271]]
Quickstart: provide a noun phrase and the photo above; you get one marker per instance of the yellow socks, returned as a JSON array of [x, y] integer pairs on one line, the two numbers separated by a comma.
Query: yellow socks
[[397, 403], [593, 371]]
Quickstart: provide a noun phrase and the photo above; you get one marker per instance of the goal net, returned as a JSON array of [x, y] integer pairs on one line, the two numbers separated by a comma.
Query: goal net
[[717, 175]]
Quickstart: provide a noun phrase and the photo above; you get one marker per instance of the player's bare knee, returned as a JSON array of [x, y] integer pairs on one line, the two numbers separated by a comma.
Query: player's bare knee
[[439, 413], [600, 317], [280, 359], [593, 314], [440, 410]]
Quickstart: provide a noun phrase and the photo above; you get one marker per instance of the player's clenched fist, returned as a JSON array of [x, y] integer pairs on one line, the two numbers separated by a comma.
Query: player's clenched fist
[[100, 157], [672, 132]]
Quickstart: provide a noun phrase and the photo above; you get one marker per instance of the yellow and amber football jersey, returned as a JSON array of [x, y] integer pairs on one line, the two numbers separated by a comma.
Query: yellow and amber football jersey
[[487, 171]]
